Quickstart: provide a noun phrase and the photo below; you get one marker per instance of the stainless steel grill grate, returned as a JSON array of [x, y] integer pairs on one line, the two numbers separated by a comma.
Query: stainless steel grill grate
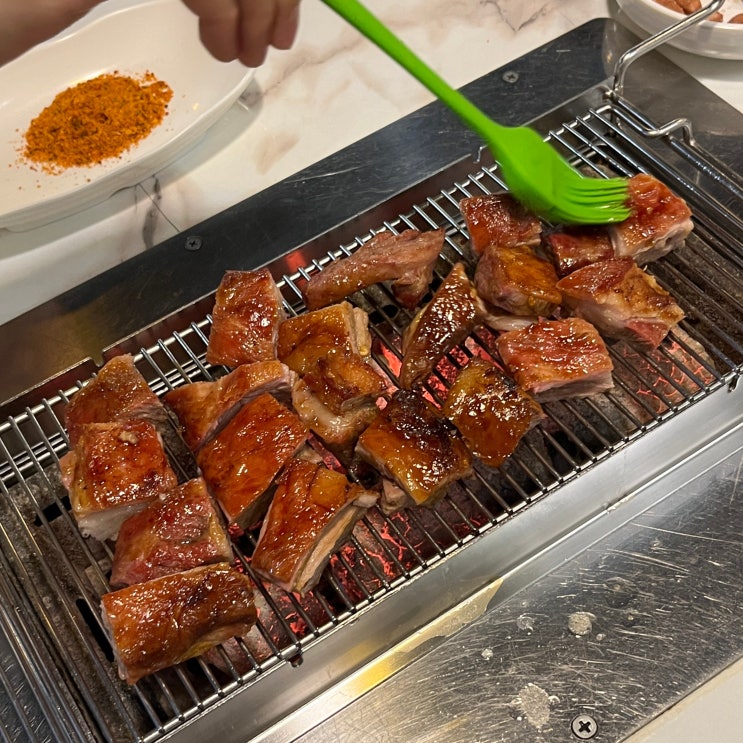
[[55, 577]]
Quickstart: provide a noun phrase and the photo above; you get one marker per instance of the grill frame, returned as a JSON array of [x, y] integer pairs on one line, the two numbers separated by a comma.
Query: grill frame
[[42, 440]]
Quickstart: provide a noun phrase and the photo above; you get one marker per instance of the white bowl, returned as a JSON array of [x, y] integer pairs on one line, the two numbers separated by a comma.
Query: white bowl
[[706, 38], [160, 36]]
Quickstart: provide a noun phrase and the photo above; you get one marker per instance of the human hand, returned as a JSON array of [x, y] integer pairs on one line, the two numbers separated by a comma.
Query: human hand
[[24, 24], [245, 29]]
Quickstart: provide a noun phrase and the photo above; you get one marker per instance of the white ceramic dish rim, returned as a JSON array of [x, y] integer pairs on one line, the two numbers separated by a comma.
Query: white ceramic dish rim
[[673, 17], [722, 26], [728, 35]]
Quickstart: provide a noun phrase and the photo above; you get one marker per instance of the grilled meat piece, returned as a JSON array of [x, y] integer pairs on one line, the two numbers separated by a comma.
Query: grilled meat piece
[[328, 348], [622, 301], [313, 511], [490, 411], [407, 260], [306, 338], [180, 531], [556, 359], [204, 408], [413, 445], [517, 280], [241, 463], [452, 314], [338, 431], [577, 246], [498, 219], [165, 621], [115, 470], [247, 313], [117, 393], [343, 381], [660, 221]]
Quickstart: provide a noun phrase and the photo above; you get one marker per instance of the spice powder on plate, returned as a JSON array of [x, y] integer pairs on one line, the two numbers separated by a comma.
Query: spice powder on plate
[[97, 119]]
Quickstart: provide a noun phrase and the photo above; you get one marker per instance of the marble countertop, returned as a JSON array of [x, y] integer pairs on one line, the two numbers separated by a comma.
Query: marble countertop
[[330, 90]]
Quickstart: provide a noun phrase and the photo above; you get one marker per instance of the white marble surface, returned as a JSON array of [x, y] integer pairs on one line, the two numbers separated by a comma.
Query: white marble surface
[[330, 90]]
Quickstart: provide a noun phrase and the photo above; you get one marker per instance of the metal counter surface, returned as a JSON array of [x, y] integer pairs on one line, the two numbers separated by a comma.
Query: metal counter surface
[[614, 632]]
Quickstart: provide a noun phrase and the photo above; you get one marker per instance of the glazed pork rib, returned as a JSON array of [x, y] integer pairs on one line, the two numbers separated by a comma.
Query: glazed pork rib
[[204, 408], [622, 301], [115, 470], [338, 431], [247, 313], [306, 338], [407, 260], [574, 247], [517, 280], [165, 621], [452, 314], [498, 219], [557, 359], [117, 393], [241, 463], [660, 221], [343, 381], [413, 445], [337, 389], [312, 512], [490, 411], [177, 532]]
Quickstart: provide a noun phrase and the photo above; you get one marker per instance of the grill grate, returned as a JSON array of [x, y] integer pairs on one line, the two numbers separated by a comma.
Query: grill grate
[[60, 575]]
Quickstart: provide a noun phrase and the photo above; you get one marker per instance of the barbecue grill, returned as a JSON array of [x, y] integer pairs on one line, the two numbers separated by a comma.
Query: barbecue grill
[[402, 583]]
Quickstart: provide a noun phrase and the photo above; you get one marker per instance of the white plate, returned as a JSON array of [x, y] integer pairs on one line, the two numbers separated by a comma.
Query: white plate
[[706, 38], [160, 36]]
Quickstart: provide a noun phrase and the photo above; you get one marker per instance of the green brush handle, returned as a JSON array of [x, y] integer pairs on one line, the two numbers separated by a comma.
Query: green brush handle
[[374, 30]]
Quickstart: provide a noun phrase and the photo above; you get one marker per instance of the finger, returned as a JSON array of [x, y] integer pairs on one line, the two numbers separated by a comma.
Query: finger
[[218, 26], [255, 31], [286, 24]]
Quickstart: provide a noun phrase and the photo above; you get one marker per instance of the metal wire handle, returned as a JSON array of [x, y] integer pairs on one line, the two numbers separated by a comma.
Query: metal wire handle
[[655, 41]]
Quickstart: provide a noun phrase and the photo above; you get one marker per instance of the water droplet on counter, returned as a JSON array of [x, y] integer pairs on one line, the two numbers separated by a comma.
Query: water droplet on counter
[[525, 623], [580, 623], [533, 704]]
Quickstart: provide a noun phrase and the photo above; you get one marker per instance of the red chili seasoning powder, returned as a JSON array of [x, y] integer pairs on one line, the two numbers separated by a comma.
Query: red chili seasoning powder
[[95, 120]]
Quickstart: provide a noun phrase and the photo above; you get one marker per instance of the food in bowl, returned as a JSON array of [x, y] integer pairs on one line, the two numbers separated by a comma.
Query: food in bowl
[[692, 6], [709, 39]]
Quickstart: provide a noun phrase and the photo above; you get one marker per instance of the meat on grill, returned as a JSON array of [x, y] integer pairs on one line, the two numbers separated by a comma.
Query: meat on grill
[[306, 338], [343, 380], [557, 359], [660, 221], [452, 314], [337, 390], [241, 463], [499, 219], [167, 620], [407, 260], [622, 301], [204, 408], [411, 443], [338, 431], [179, 531], [247, 313], [517, 280], [115, 470], [574, 247], [117, 393], [490, 411], [312, 512]]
